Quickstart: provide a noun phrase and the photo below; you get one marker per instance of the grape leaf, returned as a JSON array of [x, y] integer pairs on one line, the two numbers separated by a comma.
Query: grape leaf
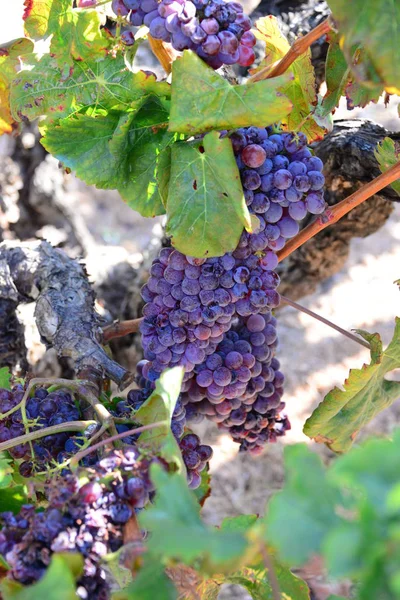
[[342, 413], [42, 16], [300, 89], [5, 377], [375, 26], [116, 151], [340, 80], [204, 490], [6, 471], [177, 530], [75, 33], [151, 583], [202, 100], [241, 523], [11, 57], [205, 193], [256, 583], [160, 407], [387, 153], [299, 517], [58, 582], [105, 84]]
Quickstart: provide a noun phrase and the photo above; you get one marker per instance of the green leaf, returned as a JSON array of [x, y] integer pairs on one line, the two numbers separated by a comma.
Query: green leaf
[[58, 583], [375, 26], [205, 195], [6, 470], [12, 498], [342, 413], [204, 489], [42, 16], [299, 516], [11, 58], [104, 85], [116, 151], [159, 407], [301, 89], [76, 33], [202, 100], [387, 153], [240, 524], [5, 377], [177, 531], [151, 583], [337, 75], [256, 583]]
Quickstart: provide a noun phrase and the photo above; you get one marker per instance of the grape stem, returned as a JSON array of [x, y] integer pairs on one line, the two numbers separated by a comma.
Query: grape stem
[[164, 52], [118, 436], [311, 313], [297, 49], [35, 435], [120, 329], [334, 214], [276, 592]]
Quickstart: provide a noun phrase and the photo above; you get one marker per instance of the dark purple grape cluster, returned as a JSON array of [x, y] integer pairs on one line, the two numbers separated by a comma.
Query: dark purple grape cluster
[[218, 31], [282, 183], [79, 518], [196, 457], [44, 409]]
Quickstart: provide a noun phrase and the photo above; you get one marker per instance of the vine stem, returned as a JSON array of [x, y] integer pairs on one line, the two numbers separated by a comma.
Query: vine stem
[[334, 214], [276, 592], [120, 329], [297, 49], [309, 312], [35, 435], [118, 436], [164, 52]]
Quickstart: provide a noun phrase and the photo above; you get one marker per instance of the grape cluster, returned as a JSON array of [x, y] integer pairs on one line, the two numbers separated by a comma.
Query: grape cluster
[[44, 409], [282, 182], [196, 457], [79, 518], [214, 316], [218, 31]]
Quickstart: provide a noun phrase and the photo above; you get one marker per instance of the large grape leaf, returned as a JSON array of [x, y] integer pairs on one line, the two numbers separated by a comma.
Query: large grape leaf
[[105, 84], [11, 57], [300, 89], [116, 151], [387, 153], [257, 584], [160, 407], [299, 516], [375, 26], [58, 582], [42, 17], [205, 196], [342, 413], [177, 531], [202, 100]]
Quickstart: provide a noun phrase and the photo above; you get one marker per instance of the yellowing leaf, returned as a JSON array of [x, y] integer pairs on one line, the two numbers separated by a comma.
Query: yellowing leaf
[[10, 63], [301, 89], [387, 154], [202, 100]]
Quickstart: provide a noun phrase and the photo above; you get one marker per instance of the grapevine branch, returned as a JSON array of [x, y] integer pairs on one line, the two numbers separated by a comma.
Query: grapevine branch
[[297, 49], [120, 329], [52, 430], [311, 313], [334, 214]]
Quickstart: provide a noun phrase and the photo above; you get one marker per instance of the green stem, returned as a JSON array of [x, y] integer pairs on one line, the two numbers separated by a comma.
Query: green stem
[[35, 435]]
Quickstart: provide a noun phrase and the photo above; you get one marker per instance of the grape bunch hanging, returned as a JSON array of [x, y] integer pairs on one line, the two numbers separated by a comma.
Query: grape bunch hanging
[[218, 31], [214, 316]]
